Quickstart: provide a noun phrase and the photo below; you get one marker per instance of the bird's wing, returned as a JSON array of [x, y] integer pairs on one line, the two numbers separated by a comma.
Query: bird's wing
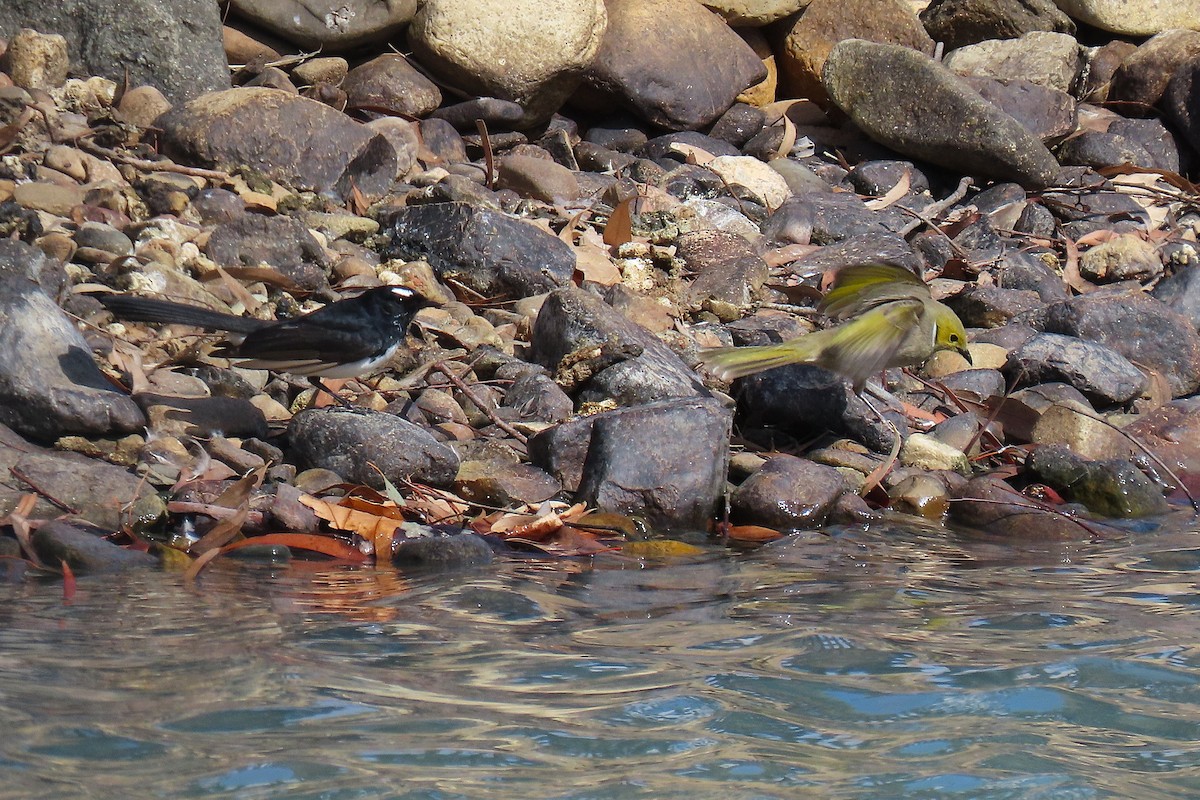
[[298, 348], [868, 343], [861, 287]]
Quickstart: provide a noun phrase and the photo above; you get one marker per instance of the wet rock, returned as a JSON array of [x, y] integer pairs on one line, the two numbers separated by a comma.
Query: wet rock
[[562, 449], [1114, 488], [101, 493], [1086, 433], [664, 462], [603, 357], [727, 270], [49, 384], [649, 80], [546, 48], [993, 507], [808, 401], [361, 446], [1172, 432], [1138, 18], [174, 46], [893, 93], [292, 139], [538, 178], [1048, 59], [1098, 371], [487, 251], [808, 41], [963, 22], [441, 553], [929, 453], [332, 27], [388, 84], [282, 243], [1143, 77], [85, 550], [501, 484], [1137, 326], [787, 492]]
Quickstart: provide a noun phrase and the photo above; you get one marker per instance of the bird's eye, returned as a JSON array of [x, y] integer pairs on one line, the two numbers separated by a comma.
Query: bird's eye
[[954, 337]]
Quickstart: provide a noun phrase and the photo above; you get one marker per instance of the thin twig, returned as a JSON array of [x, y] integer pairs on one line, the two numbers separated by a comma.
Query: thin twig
[[87, 144], [925, 216], [462, 386]]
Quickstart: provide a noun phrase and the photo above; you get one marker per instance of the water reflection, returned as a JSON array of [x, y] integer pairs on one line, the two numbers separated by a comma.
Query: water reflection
[[885, 663]]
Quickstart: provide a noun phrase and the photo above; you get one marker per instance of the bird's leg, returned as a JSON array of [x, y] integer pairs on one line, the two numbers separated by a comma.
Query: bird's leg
[[321, 387]]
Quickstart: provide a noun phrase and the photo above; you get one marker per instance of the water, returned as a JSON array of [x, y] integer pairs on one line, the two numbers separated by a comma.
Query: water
[[881, 663]]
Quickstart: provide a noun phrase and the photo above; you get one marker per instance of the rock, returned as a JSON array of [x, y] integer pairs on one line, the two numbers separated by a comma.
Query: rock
[[329, 27], [280, 243], [1143, 77], [328, 69], [727, 270], [603, 356], [1103, 62], [754, 13], [562, 449], [1139, 18], [538, 178], [963, 22], [1137, 326], [809, 40], [1172, 433], [100, 493], [1098, 371], [497, 113], [765, 184], [49, 385], [443, 553], [499, 484], [928, 453], [1114, 488], [1124, 257], [739, 124], [894, 94], [201, 416], [36, 60], [84, 549], [1182, 101], [1181, 292], [1099, 149], [174, 45], [822, 219], [360, 447], [1047, 113], [992, 506], [292, 139], [651, 79], [664, 462], [545, 48], [51, 198], [1086, 434], [1053, 60], [487, 251], [388, 84], [1098, 210], [536, 397], [808, 401], [787, 492], [980, 306]]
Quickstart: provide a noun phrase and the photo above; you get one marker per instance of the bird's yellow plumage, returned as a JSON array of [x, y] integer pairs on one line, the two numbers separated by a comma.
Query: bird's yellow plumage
[[889, 319]]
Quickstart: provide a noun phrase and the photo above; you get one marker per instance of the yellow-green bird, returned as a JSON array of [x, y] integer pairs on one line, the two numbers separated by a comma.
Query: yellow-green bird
[[889, 319]]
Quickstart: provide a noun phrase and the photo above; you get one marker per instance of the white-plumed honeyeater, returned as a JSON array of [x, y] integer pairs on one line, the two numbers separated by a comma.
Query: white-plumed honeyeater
[[888, 319]]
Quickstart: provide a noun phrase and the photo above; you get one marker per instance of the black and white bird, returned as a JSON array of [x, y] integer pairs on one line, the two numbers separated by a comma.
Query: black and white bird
[[345, 339]]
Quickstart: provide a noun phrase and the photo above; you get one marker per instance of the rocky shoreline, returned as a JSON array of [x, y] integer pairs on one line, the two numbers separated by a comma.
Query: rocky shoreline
[[632, 182]]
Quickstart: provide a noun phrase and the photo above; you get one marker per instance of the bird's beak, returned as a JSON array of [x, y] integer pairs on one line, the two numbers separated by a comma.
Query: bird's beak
[[965, 352]]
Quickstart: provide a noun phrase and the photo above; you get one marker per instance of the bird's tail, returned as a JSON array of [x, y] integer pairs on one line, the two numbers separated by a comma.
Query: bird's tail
[[727, 363], [148, 309]]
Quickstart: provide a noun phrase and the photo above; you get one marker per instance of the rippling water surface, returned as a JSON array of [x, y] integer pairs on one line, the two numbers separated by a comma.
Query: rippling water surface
[[880, 663]]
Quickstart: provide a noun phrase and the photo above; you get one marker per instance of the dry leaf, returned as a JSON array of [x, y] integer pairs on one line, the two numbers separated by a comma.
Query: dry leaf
[[752, 533], [221, 534], [619, 228], [593, 264], [892, 195]]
